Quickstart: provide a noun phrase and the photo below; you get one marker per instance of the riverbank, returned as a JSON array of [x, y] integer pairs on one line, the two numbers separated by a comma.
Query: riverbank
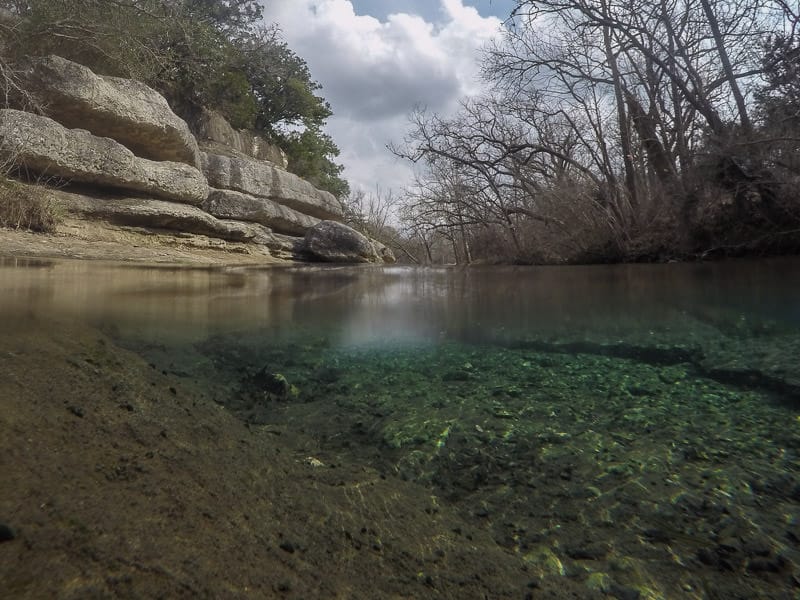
[[97, 240]]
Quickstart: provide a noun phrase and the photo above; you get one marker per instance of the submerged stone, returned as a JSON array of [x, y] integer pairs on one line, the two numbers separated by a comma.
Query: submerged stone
[[600, 582], [274, 385], [6, 533], [544, 561]]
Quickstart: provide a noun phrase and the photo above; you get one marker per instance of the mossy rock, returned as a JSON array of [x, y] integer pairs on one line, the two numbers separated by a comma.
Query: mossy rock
[[275, 385]]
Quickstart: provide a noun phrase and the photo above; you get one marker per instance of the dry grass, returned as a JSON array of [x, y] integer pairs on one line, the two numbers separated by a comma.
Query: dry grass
[[27, 207]]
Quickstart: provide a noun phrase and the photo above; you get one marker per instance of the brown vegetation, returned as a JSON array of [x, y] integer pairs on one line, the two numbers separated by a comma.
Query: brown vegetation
[[617, 130], [27, 207]]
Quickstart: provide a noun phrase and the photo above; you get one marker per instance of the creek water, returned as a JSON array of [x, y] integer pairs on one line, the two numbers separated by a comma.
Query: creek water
[[635, 427]]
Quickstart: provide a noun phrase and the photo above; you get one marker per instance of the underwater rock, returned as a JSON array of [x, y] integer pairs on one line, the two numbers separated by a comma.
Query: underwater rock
[[274, 385], [544, 562], [6, 533], [588, 551], [622, 592], [600, 582], [458, 375], [76, 410], [328, 375]]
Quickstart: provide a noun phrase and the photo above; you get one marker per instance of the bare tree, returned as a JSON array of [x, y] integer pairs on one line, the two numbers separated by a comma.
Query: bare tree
[[610, 116]]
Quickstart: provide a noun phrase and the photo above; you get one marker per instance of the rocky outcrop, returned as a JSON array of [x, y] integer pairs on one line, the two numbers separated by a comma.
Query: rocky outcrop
[[122, 109], [217, 135], [291, 190], [266, 181], [117, 141], [43, 147], [227, 204], [159, 214], [284, 246], [384, 252], [330, 241]]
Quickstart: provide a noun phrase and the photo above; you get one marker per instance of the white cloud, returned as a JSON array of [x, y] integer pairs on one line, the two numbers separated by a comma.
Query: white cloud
[[374, 72]]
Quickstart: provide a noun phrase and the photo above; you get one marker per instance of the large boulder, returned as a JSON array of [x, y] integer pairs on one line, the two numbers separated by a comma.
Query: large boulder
[[159, 214], [384, 252], [267, 181], [227, 204], [330, 241], [122, 109], [43, 147], [217, 135]]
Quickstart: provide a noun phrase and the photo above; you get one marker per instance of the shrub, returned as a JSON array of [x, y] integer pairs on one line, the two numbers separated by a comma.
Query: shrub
[[27, 207]]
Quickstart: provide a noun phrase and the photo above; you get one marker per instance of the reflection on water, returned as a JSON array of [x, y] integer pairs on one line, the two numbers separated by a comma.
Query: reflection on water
[[382, 304], [631, 427]]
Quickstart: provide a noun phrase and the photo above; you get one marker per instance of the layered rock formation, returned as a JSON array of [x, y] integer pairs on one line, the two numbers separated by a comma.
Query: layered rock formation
[[261, 179], [139, 164], [158, 214], [45, 148], [227, 204], [216, 136], [122, 109]]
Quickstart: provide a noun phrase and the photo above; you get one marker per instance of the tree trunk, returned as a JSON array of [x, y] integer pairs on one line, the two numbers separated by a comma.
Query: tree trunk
[[656, 154], [727, 67], [622, 119]]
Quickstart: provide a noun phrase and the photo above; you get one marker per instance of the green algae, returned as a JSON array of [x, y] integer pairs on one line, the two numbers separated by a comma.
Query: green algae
[[558, 452]]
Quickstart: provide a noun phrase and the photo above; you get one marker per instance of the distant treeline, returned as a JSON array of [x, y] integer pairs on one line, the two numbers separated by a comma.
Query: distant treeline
[[616, 130], [213, 53]]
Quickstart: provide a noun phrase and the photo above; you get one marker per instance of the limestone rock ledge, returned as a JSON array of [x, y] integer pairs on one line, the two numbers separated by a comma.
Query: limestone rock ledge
[[227, 204], [264, 180], [125, 110], [128, 160], [384, 252], [48, 149], [216, 136], [159, 214]]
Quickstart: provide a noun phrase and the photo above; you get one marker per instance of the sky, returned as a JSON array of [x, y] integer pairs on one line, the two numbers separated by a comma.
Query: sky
[[378, 59]]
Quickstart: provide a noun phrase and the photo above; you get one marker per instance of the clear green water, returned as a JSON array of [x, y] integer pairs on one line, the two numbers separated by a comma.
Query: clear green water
[[634, 426]]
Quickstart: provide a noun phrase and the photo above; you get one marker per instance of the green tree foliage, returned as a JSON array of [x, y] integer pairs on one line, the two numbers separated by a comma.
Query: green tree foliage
[[232, 17], [309, 155], [212, 53], [282, 84]]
